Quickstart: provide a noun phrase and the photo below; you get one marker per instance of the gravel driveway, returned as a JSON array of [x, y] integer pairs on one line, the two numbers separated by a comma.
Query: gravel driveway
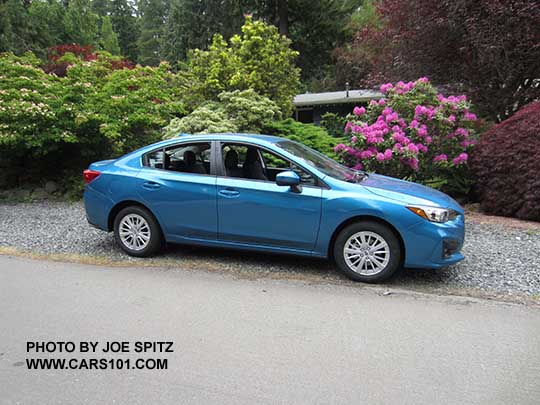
[[499, 260]]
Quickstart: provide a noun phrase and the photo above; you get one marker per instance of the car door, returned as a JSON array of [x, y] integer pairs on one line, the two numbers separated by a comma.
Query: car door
[[258, 211], [179, 186]]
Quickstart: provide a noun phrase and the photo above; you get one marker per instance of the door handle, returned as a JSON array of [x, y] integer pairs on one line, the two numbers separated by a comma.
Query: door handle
[[229, 193], [151, 185]]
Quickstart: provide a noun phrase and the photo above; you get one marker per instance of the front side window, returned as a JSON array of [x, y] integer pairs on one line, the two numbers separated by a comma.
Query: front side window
[[184, 158], [250, 162]]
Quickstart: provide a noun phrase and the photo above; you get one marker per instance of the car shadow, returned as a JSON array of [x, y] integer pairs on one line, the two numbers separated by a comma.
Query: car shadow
[[257, 264]]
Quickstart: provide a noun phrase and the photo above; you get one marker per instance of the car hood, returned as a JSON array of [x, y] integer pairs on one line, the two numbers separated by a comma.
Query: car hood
[[408, 192]]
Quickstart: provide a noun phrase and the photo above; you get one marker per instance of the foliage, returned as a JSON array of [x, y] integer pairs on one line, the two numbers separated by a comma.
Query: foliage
[[315, 29], [152, 20], [489, 49], [413, 133], [259, 59], [126, 26], [236, 111], [506, 164], [191, 24], [334, 124], [206, 119], [14, 27], [81, 23], [310, 135], [61, 57], [126, 107], [33, 111], [108, 39], [96, 111]]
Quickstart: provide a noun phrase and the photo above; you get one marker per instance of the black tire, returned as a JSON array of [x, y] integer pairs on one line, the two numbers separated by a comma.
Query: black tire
[[382, 231], [155, 242]]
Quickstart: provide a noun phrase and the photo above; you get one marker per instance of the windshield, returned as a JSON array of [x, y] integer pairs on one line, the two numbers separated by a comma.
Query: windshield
[[323, 163]]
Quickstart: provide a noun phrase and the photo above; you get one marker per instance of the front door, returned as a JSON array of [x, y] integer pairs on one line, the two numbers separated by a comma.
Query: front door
[[254, 210]]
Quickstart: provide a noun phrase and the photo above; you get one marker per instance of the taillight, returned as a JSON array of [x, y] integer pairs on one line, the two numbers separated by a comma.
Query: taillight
[[90, 175]]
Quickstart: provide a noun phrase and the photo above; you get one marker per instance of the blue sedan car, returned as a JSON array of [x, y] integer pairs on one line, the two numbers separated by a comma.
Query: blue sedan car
[[270, 194]]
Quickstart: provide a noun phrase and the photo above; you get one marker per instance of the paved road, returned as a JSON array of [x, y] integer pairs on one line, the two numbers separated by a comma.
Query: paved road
[[241, 341]]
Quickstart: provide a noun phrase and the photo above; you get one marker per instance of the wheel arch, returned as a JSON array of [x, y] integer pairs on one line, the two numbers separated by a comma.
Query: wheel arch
[[360, 218], [123, 204]]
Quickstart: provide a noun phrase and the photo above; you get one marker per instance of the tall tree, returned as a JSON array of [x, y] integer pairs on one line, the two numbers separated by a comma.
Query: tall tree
[[15, 27], [125, 23], [47, 22], [108, 39], [154, 13], [486, 48], [191, 24], [100, 7], [81, 23]]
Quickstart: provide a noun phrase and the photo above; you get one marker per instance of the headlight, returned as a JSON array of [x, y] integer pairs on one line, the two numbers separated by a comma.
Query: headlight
[[434, 214]]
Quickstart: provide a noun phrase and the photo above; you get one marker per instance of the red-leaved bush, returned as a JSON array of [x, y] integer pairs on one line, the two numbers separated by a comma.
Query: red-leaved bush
[[86, 53], [507, 165]]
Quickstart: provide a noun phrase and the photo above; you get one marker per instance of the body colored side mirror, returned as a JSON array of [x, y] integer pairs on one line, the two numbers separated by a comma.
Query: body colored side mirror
[[289, 178]]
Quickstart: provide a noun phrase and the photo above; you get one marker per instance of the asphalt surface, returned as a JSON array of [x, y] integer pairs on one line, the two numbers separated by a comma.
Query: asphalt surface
[[260, 341]]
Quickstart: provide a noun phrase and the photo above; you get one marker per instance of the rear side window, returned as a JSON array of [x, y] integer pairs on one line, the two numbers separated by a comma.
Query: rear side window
[[184, 158], [154, 159]]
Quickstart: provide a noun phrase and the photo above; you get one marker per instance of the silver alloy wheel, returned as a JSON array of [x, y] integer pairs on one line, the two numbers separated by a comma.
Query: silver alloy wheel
[[134, 232], [366, 253]]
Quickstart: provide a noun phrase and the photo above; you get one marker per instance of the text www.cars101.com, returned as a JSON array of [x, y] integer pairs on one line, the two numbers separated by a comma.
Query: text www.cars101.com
[[96, 364]]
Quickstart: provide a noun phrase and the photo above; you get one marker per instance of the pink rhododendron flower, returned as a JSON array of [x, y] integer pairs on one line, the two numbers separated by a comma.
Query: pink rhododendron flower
[[461, 158], [358, 166], [469, 116], [404, 134], [339, 147], [385, 87], [462, 132], [441, 158], [359, 111]]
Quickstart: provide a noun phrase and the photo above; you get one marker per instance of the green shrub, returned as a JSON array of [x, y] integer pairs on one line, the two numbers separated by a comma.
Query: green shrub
[[34, 111], [259, 58], [126, 107], [334, 124], [310, 135], [237, 111], [97, 110], [209, 118]]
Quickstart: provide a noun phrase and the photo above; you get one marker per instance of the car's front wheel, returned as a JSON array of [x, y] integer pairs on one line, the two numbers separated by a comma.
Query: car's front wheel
[[367, 251], [137, 232]]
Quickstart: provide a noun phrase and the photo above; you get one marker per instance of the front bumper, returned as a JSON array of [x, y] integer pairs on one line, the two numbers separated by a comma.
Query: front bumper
[[432, 245]]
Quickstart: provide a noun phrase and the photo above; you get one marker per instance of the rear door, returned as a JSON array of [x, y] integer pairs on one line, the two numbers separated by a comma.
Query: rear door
[[181, 190]]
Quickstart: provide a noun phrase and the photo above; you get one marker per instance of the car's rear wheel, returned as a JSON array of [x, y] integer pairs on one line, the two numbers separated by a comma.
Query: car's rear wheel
[[137, 232], [367, 251]]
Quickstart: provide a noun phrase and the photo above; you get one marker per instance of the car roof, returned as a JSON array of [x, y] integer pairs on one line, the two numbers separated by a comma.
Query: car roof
[[228, 137], [231, 136]]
